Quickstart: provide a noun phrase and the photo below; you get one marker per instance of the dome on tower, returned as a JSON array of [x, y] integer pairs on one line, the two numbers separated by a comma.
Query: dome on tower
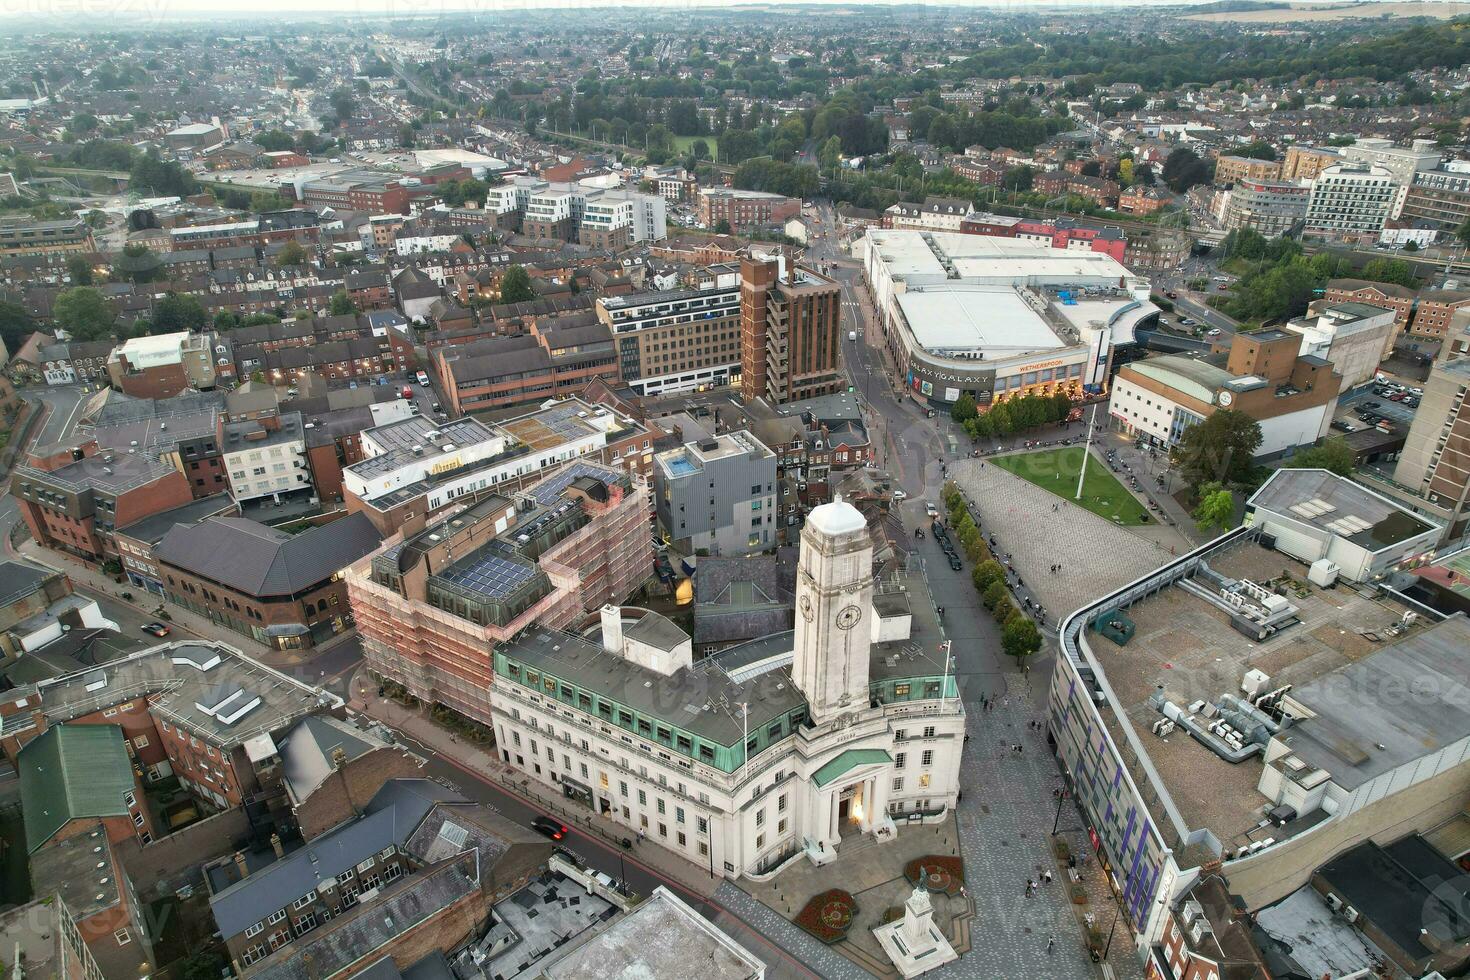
[[838, 517]]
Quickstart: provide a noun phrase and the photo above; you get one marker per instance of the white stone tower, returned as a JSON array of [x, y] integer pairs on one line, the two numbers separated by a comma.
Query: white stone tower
[[834, 610]]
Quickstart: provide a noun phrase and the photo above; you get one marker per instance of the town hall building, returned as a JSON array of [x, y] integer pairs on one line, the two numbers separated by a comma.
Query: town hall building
[[762, 753]]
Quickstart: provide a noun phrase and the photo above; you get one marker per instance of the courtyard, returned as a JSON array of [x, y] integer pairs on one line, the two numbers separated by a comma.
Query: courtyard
[[1056, 471]]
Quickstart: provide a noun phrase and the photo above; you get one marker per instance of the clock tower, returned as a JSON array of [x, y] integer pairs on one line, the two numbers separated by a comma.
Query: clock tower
[[834, 611]]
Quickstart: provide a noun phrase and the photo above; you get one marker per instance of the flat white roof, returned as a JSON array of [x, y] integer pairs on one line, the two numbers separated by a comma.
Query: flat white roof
[[994, 319], [145, 352]]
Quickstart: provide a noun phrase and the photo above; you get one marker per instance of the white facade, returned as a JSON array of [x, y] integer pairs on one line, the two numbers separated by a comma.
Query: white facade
[[851, 769], [1351, 199], [413, 245], [1349, 335], [267, 470]]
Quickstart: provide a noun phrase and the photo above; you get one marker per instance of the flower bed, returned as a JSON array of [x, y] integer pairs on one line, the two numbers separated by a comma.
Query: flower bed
[[829, 915], [941, 873]]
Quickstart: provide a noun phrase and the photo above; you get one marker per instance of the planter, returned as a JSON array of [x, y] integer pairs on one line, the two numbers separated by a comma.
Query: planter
[[828, 916]]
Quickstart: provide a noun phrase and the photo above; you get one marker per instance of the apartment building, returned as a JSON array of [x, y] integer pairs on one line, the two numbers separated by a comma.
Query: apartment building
[[1271, 207], [1306, 162], [74, 499], [1435, 463], [744, 210], [1433, 311], [1230, 170], [934, 214], [717, 496], [1401, 162], [432, 607], [1388, 295], [601, 217], [1351, 201], [1439, 198], [265, 457], [22, 237], [677, 340], [790, 320]]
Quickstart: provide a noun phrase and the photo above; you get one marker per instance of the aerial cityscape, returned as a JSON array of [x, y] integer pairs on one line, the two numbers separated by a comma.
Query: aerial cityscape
[[738, 492]]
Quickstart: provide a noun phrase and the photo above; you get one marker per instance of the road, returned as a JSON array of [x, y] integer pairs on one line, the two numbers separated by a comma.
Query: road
[[592, 851]]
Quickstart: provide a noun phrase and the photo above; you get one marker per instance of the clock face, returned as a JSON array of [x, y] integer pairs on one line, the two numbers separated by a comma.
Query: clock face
[[806, 608], [1226, 398], [848, 617]]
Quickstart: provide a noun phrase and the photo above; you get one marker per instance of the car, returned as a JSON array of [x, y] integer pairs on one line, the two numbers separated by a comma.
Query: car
[[156, 629], [930, 510], [1187, 322], [1172, 294], [1372, 404], [899, 495], [1397, 396], [554, 829], [1213, 332], [954, 562]]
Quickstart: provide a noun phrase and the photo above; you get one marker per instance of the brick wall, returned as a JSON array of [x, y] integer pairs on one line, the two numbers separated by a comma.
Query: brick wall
[[334, 800]]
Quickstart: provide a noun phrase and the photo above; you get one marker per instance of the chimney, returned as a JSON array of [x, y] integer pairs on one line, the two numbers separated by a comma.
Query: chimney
[[612, 629], [276, 846], [241, 865]]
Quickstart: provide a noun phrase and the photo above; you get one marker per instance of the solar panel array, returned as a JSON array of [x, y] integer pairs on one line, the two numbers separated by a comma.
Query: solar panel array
[[548, 491], [489, 575]]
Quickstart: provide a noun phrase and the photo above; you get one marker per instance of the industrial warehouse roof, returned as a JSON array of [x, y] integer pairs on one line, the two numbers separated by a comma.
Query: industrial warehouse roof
[[69, 772], [261, 561], [1337, 505]]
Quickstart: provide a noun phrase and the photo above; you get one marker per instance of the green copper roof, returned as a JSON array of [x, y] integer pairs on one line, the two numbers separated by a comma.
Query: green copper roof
[[848, 761], [70, 772]]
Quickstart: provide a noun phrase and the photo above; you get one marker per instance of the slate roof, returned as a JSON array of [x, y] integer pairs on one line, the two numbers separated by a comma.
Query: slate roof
[[394, 813], [69, 772], [260, 561], [306, 753], [18, 580]]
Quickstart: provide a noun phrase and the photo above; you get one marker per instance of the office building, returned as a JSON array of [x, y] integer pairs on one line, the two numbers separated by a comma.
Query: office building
[[1438, 198], [74, 500], [1203, 720], [745, 210], [1264, 374], [680, 339], [555, 356], [265, 457], [788, 748], [717, 496], [790, 322], [1272, 208], [1435, 463], [23, 237], [433, 607], [998, 318], [1351, 201], [1353, 337]]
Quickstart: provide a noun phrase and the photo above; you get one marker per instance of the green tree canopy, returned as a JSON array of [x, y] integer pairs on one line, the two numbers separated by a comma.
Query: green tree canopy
[[1020, 638], [515, 285], [84, 314], [1216, 508], [1222, 449], [176, 312], [342, 304], [1334, 454]]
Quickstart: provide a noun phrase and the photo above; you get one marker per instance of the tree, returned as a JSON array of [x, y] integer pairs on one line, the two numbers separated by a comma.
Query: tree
[[1020, 638], [16, 324], [995, 594], [1220, 449], [342, 304], [84, 314], [515, 285], [986, 573], [964, 408], [722, 227], [80, 271], [1334, 454], [699, 149], [176, 312], [291, 253], [1183, 169], [1216, 508]]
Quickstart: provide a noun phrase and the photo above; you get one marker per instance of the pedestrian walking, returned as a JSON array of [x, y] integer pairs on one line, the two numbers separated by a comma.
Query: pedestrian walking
[[1050, 942]]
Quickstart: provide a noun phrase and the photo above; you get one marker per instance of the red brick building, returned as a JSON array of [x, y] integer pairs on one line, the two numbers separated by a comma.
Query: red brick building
[[73, 500]]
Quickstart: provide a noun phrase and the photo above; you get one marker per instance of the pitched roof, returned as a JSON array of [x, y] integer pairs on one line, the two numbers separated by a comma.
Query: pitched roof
[[307, 752], [261, 561], [69, 772]]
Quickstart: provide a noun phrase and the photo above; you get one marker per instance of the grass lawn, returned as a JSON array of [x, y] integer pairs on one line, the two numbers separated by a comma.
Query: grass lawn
[[1056, 470], [683, 143]]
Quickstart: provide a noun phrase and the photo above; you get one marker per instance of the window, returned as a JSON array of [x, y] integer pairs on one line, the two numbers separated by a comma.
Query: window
[[702, 825], [253, 953], [781, 803], [660, 802], [140, 742], [760, 841], [310, 896], [130, 799], [678, 814], [898, 784], [642, 798], [900, 759], [277, 916], [254, 930], [781, 827], [760, 818], [900, 734], [929, 731], [927, 759]]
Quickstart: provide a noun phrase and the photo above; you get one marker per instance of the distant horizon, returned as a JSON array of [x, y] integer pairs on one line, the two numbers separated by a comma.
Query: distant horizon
[[196, 11]]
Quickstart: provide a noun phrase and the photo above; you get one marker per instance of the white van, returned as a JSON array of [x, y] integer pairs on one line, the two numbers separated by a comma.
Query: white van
[[423, 379], [852, 335]]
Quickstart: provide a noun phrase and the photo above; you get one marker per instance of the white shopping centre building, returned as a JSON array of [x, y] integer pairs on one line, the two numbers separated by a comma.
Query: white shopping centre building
[[1000, 317]]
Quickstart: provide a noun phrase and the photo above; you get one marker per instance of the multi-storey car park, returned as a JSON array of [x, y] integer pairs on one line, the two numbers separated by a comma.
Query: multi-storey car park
[[998, 318], [1264, 702]]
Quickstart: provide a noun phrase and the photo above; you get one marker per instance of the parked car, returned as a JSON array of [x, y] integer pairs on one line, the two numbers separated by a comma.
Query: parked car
[[156, 629], [954, 562]]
